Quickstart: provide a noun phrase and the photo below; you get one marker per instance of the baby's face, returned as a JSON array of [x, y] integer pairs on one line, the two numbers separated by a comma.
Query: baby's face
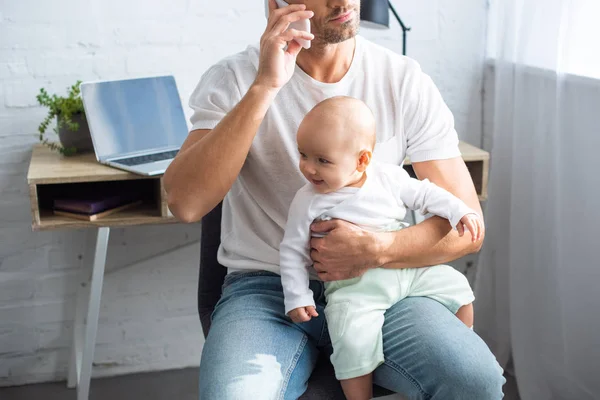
[[333, 139], [326, 161]]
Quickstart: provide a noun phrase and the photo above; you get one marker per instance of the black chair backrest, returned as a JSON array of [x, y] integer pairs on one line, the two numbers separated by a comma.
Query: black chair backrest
[[212, 274]]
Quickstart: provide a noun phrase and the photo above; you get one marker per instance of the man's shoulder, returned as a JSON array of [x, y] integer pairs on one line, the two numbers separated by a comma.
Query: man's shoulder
[[243, 61], [385, 57]]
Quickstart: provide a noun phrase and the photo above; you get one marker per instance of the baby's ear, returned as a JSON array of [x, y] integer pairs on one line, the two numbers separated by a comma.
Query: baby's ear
[[364, 159]]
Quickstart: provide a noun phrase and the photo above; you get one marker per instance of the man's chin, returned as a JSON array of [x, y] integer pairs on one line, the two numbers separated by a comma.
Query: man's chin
[[340, 35]]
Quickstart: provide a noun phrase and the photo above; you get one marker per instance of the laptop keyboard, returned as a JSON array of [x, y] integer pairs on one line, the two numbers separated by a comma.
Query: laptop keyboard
[[150, 158]]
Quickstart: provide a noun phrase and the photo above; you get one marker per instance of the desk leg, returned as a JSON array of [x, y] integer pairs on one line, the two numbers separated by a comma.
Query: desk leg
[[87, 312]]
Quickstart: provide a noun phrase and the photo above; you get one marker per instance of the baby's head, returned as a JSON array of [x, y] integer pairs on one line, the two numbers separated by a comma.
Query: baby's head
[[336, 140]]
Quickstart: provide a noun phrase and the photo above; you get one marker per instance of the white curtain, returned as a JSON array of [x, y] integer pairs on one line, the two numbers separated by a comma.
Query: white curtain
[[538, 278]]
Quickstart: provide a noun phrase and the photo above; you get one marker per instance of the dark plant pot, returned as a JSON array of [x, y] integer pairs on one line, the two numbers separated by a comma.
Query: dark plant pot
[[80, 139]]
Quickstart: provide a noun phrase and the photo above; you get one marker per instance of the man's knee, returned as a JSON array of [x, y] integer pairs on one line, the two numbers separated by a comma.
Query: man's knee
[[260, 378], [472, 379]]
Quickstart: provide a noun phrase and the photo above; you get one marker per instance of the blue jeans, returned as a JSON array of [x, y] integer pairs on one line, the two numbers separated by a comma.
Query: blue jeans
[[254, 351]]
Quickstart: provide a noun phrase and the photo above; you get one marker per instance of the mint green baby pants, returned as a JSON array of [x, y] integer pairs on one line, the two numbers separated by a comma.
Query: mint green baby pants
[[355, 309]]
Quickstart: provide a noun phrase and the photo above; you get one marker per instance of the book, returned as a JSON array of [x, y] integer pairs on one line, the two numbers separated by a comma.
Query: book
[[96, 216], [93, 203]]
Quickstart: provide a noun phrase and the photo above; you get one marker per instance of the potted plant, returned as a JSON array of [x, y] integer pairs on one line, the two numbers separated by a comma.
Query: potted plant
[[71, 124]]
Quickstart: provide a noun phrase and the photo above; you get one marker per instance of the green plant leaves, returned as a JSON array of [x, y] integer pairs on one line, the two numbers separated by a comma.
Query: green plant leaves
[[66, 107]]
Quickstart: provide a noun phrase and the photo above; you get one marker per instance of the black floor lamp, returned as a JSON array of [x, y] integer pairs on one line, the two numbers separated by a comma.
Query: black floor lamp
[[375, 14]]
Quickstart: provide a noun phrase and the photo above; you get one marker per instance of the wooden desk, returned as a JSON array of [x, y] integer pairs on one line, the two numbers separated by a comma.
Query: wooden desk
[[51, 174]]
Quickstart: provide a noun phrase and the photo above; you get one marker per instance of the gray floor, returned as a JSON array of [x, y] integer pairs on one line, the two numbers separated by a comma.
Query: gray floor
[[170, 385]]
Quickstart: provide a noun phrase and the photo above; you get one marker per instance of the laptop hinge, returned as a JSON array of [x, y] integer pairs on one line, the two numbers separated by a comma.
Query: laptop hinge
[[122, 156]]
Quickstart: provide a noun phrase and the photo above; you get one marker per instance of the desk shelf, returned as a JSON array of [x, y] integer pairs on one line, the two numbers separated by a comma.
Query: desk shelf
[[51, 175]]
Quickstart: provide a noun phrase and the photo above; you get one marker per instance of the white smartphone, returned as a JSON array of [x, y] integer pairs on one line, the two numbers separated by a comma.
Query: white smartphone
[[302, 25]]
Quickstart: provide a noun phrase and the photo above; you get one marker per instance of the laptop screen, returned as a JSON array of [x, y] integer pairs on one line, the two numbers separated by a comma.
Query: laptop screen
[[134, 115]]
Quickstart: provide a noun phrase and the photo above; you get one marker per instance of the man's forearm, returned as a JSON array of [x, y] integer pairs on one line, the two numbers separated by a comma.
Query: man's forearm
[[204, 171], [431, 242]]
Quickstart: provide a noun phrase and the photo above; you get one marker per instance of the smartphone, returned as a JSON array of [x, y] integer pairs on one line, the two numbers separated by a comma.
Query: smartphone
[[302, 25]]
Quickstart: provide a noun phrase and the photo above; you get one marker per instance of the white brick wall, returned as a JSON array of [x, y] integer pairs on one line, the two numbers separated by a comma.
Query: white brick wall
[[148, 318]]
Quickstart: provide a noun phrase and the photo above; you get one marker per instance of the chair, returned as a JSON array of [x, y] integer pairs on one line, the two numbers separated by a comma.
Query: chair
[[322, 383]]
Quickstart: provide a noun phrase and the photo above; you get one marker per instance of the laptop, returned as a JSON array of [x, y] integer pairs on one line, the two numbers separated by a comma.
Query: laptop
[[137, 125]]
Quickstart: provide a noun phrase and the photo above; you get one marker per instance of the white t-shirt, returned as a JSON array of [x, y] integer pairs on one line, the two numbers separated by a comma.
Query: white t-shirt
[[380, 205], [412, 119]]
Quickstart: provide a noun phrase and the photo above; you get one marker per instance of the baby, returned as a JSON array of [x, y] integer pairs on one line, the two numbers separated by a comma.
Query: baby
[[336, 141]]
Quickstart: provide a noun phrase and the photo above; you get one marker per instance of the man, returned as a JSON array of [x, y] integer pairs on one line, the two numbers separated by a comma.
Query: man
[[242, 150]]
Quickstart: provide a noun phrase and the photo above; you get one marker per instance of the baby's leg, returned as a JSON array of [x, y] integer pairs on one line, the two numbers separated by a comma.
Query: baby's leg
[[356, 338], [465, 314], [360, 388], [448, 286], [354, 313]]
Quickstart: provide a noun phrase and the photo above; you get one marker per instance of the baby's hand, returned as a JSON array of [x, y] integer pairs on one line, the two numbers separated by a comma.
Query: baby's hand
[[474, 224], [303, 314]]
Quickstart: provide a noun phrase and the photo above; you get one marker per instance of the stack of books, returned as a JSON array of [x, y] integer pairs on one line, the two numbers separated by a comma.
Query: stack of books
[[93, 206]]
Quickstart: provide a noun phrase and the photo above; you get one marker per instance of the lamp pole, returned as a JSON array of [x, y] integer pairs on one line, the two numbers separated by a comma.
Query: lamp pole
[[404, 27]]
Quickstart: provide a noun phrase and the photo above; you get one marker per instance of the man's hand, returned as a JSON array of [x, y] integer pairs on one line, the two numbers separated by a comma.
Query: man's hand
[[346, 252], [303, 314], [278, 49]]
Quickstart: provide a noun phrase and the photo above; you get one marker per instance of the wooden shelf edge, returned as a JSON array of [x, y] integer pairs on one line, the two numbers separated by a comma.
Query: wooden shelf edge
[[143, 215], [72, 223]]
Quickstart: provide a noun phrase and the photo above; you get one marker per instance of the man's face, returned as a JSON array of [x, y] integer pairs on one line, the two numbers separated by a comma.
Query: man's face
[[335, 20]]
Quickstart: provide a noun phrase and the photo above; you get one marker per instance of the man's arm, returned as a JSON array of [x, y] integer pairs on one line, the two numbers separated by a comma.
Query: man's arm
[[210, 160], [433, 241]]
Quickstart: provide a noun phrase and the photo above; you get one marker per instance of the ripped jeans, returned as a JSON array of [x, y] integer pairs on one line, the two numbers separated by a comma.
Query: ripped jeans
[[254, 351]]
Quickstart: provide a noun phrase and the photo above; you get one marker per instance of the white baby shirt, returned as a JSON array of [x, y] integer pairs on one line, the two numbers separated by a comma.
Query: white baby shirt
[[380, 204]]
